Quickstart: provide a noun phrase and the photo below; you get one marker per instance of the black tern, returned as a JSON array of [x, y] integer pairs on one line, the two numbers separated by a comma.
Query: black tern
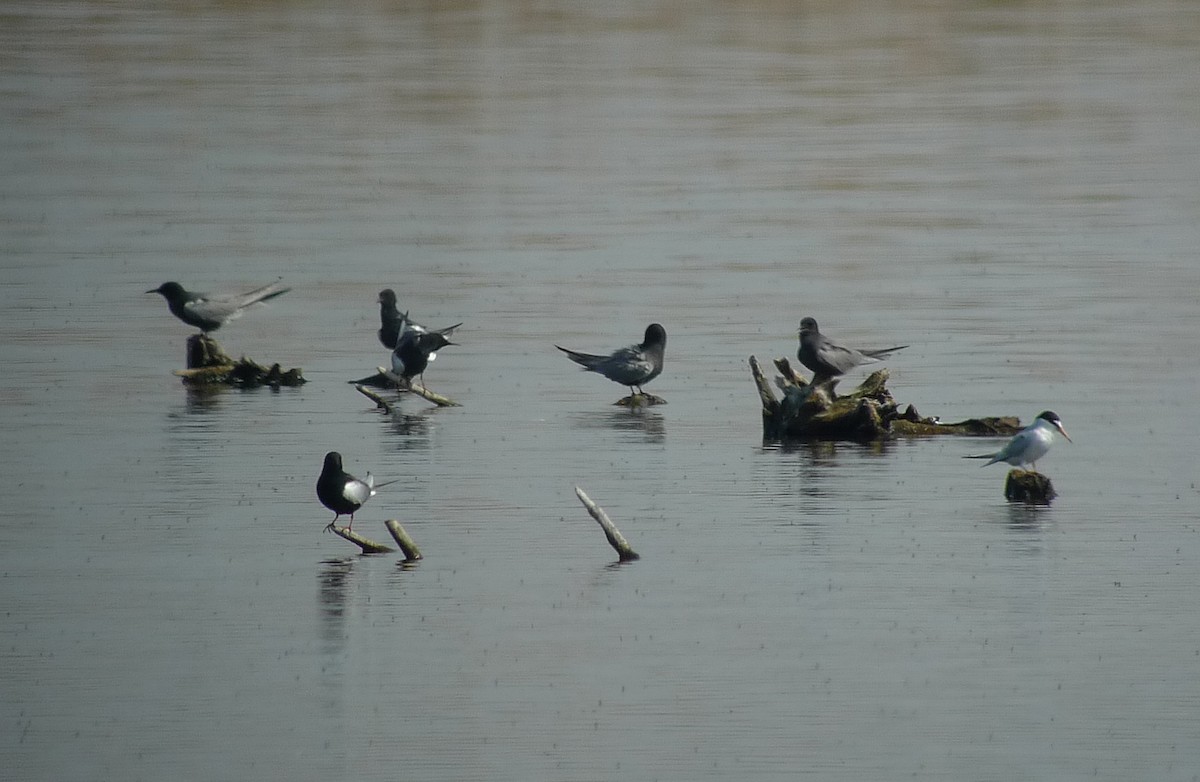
[[633, 366], [415, 350], [393, 323], [1029, 444], [209, 313], [828, 359], [341, 492]]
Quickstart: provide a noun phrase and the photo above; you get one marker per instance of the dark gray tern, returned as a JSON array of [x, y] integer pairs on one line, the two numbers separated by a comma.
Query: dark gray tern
[[207, 312], [827, 359], [393, 323], [1029, 444], [633, 366]]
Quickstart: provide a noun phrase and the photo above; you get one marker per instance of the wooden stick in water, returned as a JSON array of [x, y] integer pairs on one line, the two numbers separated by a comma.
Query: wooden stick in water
[[379, 401], [368, 546], [615, 538], [419, 390], [403, 540]]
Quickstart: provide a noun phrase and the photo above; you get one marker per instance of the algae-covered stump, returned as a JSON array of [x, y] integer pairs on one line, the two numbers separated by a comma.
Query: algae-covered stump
[[1029, 487], [810, 411], [209, 365], [636, 401]]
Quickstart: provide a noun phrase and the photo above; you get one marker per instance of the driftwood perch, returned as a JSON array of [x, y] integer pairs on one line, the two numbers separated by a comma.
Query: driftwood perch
[[416, 388], [403, 540], [1029, 487], [615, 538], [869, 412], [208, 364], [368, 546], [379, 401]]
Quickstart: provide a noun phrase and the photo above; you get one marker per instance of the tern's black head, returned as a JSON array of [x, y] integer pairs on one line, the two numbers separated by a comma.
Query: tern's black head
[[333, 462], [1050, 416], [655, 335], [387, 296], [809, 325], [171, 291]]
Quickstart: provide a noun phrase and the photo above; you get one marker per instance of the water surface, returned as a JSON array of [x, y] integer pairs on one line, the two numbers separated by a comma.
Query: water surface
[[1009, 188]]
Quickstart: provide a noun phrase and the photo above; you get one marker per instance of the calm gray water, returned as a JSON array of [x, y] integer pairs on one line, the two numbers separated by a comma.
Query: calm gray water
[[1011, 188]]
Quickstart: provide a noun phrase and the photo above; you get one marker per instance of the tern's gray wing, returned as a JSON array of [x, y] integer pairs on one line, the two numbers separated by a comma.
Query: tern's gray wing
[[407, 324], [627, 366], [837, 358], [881, 353], [222, 308], [585, 360], [1015, 451]]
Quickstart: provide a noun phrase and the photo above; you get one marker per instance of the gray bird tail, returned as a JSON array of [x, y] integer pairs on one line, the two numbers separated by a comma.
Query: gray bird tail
[[585, 360], [265, 293], [883, 353]]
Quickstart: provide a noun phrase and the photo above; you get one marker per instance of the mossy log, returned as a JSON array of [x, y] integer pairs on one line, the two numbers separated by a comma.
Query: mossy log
[[1029, 487], [816, 412], [615, 539], [209, 365], [640, 400]]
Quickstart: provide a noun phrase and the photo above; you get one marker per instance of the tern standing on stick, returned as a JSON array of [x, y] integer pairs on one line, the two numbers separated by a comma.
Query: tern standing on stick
[[341, 492]]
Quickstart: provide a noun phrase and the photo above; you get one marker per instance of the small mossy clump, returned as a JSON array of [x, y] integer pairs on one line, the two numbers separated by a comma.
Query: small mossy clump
[[209, 365]]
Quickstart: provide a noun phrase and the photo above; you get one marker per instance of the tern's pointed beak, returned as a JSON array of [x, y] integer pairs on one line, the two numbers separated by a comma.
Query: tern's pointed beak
[[1063, 431]]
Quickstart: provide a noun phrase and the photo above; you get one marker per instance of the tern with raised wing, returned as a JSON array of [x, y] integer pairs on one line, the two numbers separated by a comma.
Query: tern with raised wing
[[414, 350], [393, 323]]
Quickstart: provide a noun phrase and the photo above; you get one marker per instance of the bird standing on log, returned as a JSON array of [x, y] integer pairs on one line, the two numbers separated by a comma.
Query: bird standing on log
[[827, 359], [1029, 444], [415, 349], [341, 492], [207, 312], [633, 366], [393, 323]]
